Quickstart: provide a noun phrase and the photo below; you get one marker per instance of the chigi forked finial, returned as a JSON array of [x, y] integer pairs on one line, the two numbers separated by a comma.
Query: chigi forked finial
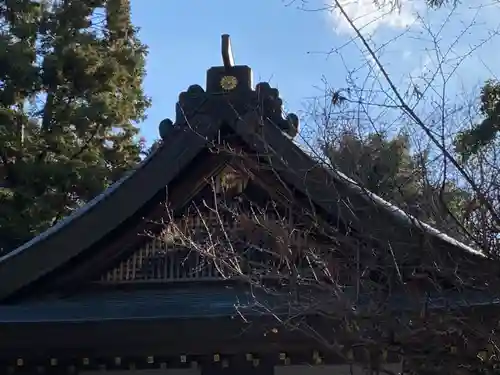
[[227, 52]]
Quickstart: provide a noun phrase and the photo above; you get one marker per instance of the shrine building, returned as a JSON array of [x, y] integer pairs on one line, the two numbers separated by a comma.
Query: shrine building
[[177, 268]]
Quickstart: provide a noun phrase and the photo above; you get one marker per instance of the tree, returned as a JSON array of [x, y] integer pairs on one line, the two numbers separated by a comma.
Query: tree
[[482, 134], [70, 95], [477, 150], [388, 167]]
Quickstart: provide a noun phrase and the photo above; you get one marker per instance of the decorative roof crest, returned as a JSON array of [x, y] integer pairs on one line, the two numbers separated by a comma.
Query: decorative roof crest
[[232, 84]]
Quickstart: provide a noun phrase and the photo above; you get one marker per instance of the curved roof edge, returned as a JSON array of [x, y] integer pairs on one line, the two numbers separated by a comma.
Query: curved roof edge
[[292, 156], [402, 216], [84, 227], [78, 212]]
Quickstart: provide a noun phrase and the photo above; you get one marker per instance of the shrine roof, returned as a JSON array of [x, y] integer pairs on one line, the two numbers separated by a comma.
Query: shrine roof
[[201, 116], [212, 302]]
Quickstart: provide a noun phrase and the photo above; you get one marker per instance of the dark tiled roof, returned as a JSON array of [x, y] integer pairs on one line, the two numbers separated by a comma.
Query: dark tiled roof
[[193, 303], [140, 304]]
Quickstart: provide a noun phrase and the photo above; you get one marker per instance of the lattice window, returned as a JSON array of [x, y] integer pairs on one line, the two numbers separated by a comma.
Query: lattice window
[[231, 239], [204, 247], [157, 261]]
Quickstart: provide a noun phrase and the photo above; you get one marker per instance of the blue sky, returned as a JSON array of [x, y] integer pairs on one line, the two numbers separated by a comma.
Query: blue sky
[[287, 46], [184, 41]]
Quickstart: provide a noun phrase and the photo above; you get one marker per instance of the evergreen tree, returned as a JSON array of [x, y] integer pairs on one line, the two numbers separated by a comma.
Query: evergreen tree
[[484, 133], [70, 96], [388, 168]]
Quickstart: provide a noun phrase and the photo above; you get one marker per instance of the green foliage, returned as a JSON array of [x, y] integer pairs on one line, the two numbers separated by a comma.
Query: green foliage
[[70, 96], [388, 168], [481, 135]]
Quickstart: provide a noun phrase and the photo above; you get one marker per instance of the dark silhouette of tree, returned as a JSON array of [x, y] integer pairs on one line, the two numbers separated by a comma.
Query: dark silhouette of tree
[[70, 95]]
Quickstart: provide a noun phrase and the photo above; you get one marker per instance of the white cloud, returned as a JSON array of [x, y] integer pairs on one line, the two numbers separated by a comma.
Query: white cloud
[[407, 54], [369, 16]]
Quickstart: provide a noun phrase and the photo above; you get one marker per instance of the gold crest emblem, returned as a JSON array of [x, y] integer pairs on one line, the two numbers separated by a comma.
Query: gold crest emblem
[[228, 83]]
